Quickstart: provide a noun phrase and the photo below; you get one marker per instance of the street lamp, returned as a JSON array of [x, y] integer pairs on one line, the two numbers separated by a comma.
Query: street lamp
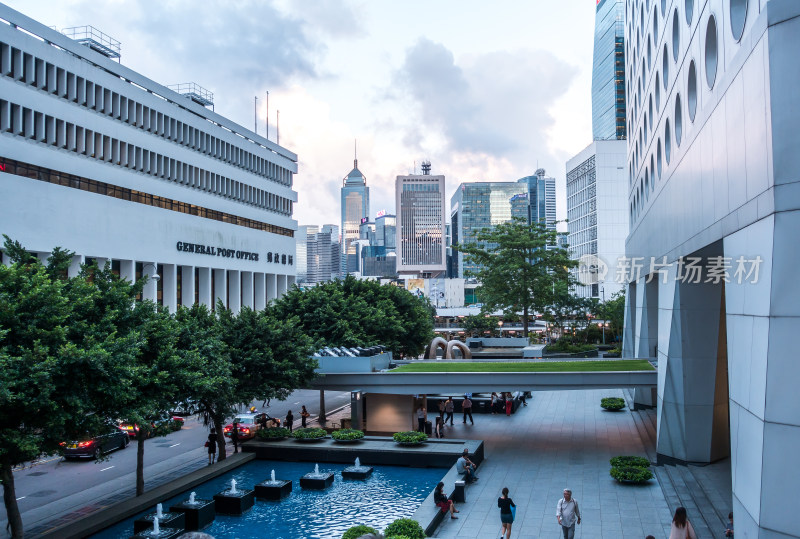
[[603, 293], [155, 276], [500, 325]]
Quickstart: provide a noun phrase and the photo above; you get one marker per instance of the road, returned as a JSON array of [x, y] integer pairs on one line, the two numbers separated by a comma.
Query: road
[[53, 487]]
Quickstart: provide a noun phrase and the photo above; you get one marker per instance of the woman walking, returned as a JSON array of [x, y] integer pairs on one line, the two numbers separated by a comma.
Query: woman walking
[[506, 513], [442, 502], [211, 444], [303, 416], [509, 404], [681, 528], [494, 403]]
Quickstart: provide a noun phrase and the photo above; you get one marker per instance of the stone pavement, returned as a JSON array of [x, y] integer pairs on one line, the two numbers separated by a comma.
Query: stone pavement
[[562, 439]]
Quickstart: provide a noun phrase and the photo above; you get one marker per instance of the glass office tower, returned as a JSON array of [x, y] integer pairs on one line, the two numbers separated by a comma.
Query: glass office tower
[[355, 207], [608, 71]]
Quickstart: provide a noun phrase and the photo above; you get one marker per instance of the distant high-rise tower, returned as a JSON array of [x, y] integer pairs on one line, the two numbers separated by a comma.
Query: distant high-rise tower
[[421, 223], [541, 198], [608, 71], [355, 207], [322, 253]]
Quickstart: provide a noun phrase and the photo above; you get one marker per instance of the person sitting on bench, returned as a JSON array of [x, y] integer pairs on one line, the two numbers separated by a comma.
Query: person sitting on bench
[[441, 500], [466, 467]]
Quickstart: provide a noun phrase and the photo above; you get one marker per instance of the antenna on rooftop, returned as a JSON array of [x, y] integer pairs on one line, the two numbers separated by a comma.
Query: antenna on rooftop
[[426, 168], [355, 153]]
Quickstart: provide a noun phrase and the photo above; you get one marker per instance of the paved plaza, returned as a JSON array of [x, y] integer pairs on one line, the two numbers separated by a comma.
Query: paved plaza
[[562, 439]]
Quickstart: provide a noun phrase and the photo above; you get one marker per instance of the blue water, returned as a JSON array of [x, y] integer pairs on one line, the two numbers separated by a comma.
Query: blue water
[[391, 492]]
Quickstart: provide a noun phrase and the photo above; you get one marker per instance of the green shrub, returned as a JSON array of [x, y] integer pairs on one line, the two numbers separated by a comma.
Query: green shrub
[[347, 434], [612, 403], [310, 433], [410, 437], [631, 474], [272, 433], [630, 461], [405, 527], [357, 531], [563, 346]]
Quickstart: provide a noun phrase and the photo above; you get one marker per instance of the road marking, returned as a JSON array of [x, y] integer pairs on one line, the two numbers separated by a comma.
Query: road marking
[[173, 445], [104, 469], [21, 498]]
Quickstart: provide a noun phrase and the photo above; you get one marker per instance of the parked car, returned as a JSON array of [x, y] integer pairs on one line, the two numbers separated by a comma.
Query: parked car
[[111, 438], [133, 429], [250, 423]]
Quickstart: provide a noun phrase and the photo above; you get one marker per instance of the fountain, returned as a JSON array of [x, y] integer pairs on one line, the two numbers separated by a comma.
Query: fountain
[[197, 513], [317, 480], [233, 501], [156, 524], [273, 489], [358, 471]]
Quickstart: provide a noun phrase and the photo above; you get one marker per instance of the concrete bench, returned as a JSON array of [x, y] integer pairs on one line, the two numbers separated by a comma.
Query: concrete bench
[[429, 515]]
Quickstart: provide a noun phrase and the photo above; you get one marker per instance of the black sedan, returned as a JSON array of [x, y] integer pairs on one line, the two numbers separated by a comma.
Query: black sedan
[[110, 439]]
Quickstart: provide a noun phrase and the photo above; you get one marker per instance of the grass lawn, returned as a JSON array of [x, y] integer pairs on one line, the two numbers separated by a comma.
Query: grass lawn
[[541, 366]]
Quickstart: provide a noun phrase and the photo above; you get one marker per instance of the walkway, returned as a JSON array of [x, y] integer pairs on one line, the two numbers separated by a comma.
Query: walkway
[[563, 439]]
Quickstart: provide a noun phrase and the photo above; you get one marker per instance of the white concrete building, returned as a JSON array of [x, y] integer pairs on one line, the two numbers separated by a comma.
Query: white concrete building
[[421, 218], [102, 161], [597, 216], [714, 209]]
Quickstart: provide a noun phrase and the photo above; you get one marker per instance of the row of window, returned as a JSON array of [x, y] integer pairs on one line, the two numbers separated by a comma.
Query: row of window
[[33, 71], [46, 129], [34, 172]]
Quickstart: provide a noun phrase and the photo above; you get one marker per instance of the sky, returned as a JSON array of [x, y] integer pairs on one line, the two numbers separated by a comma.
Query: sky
[[486, 91]]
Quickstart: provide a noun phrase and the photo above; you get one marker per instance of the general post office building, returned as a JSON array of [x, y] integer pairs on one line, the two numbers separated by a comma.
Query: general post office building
[[104, 162]]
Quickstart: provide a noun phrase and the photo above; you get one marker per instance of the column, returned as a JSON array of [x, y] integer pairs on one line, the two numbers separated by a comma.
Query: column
[[220, 287], [234, 291], [43, 258], [247, 289], [290, 281], [260, 291], [272, 286], [187, 286], [204, 287], [281, 285], [169, 291], [150, 287], [127, 270], [102, 262]]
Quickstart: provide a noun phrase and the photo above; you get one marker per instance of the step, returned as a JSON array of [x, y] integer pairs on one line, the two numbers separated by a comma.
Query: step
[[644, 435], [688, 501], [670, 494], [713, 516]]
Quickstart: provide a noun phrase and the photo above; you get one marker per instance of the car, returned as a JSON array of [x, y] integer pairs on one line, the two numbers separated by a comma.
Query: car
[[133, 429], [186, 408], [110, 438], [249, 424]]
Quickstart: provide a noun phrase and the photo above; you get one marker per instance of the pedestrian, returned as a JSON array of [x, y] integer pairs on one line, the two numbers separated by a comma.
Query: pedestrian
[[448, 408], [303, 416], [494, 402], [443, 502], [523, 396], [439, 427], [421, 418], [266, 402], [466, 407], [729, 526], [506, 513], [211, 444], [235, 436], [466, 467], [568, 514], [441, 408], [289, 421], [681, 528], [509, 403]]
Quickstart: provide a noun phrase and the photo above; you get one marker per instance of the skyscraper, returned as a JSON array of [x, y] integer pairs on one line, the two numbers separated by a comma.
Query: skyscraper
[[541, 198], [302, 250], [355, 207], [323, 253], [608, 71], [421, 223]]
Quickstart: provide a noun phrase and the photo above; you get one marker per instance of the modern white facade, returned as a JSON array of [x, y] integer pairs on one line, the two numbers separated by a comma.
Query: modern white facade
[[597, 216], [420, 225], [714, 212], [102, 161]]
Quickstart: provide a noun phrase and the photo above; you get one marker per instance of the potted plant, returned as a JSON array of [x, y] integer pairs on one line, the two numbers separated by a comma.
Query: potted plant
[[628, 460], [411, 437], [310, 434], [273, 433], [612, 404], [347, 435], [631, 474]]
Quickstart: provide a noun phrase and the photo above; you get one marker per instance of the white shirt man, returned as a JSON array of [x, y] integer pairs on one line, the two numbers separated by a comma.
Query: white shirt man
[[568, 514]]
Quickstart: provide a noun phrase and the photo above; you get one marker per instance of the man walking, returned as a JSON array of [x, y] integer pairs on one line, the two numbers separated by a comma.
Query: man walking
[[466, 406], [568, 514], [235, 436], [421, 416], [448, 408]]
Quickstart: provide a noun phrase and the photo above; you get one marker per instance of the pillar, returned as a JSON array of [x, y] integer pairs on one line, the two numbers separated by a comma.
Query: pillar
[[204, 277], [127, 270], [187, 286], [281, 285], [220, 287], [169, 290], [234, 291], [272, 286], [259, 291], [322, 416], [150, 287]]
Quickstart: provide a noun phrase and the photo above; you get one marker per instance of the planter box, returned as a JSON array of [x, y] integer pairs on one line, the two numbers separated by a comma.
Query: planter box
[[197, 516], [175, 520], [312, 482], [273, 492], [351, 472], [234, 504]]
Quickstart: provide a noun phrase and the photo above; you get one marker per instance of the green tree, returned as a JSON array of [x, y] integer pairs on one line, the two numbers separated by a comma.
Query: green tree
[[613, 311], [353, 312], [520, 267], [476, 325]]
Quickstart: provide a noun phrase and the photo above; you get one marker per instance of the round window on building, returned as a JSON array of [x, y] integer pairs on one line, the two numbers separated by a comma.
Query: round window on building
[[667, 141], [711, 51], [738, 16], [676, 36], [678, 120], [691, 90], [665, 65], [658, 158], [689, 10]]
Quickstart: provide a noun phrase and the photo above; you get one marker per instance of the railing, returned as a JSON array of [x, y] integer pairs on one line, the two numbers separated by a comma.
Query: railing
[[95, 40]]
